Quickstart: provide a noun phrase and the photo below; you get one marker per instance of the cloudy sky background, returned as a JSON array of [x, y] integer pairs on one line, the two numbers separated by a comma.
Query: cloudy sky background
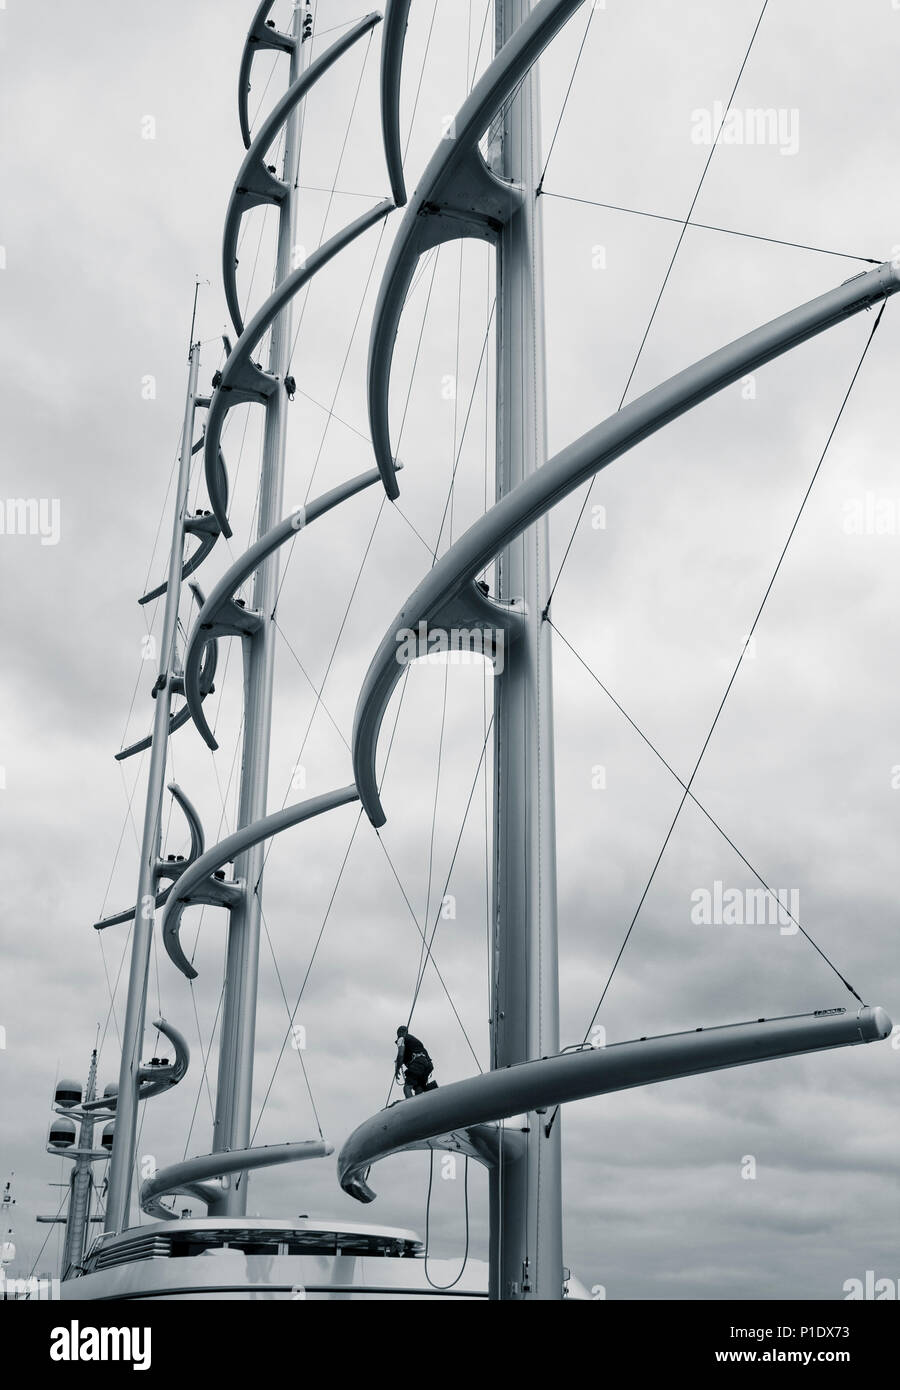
[[104, 232]]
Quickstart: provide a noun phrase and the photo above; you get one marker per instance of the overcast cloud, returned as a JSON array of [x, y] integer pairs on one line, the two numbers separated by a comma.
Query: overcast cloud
[[104, 231]]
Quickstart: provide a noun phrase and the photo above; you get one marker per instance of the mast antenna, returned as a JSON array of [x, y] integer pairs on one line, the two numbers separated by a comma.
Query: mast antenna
[[197, 283]]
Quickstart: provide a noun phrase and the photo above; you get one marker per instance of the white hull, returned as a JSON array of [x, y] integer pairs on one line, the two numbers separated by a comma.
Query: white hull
[[260, 1259]]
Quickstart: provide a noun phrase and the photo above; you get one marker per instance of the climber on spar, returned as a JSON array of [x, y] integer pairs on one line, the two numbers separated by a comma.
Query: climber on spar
[[412, 1055]]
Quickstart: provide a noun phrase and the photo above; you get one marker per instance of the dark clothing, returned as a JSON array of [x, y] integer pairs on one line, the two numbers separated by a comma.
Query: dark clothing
[[412, 1055], [411, 1046]]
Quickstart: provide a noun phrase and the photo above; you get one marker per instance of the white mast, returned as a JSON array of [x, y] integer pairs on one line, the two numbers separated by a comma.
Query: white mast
[[122, 1163], [236, 1053], [526, 1206]]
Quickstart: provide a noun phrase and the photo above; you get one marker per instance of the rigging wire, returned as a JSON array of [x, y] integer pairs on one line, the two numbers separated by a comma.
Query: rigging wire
[[450, 870], [453, 463], [309, 680], [130, 811], [345, 24], [318, 940], [429, 957], [362, 435], [298, 1049], [204, 1077], [434, 809], [412, 119], [136, 1162], [204, 1053], [587, 29], [331, 659], [709, 227], [487, 10], [481, 361], [48, 1235], [262, 95], [340, 380], [259, 241], [111, 1011], [650, 321], [362, 72], [700, 807], [443, 1288], [412, 376], [336, 192], [747, 640], [112, 871]]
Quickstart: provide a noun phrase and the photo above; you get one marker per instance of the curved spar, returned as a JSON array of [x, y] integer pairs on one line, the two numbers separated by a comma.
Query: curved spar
[[204, 525], [222, 615], [244, 380], [205, 1177], [262, 34], [458, 196], [393, 38], [454, 573], [255, 183], [199, 883], [205, 682], [551, 1081], [154, 1077], [170, 868]]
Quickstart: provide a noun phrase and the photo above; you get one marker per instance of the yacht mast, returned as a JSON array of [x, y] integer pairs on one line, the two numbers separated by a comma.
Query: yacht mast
[[122, 1163], [526, 1203], [236, 1053], [81, 1181]]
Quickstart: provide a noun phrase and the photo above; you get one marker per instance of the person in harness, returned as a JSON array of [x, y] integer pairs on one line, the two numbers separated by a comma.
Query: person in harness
[[418, 1066]]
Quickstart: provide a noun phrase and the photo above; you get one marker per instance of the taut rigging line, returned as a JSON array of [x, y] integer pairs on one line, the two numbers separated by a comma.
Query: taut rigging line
[[747, 640]]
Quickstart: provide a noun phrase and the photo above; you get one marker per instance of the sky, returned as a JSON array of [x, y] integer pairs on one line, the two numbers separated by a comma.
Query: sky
[[121, 147]]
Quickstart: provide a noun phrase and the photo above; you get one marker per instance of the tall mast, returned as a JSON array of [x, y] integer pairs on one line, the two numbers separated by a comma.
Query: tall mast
[[526, 1203], [238, 1036], [122, 1163], [81, 1181]]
